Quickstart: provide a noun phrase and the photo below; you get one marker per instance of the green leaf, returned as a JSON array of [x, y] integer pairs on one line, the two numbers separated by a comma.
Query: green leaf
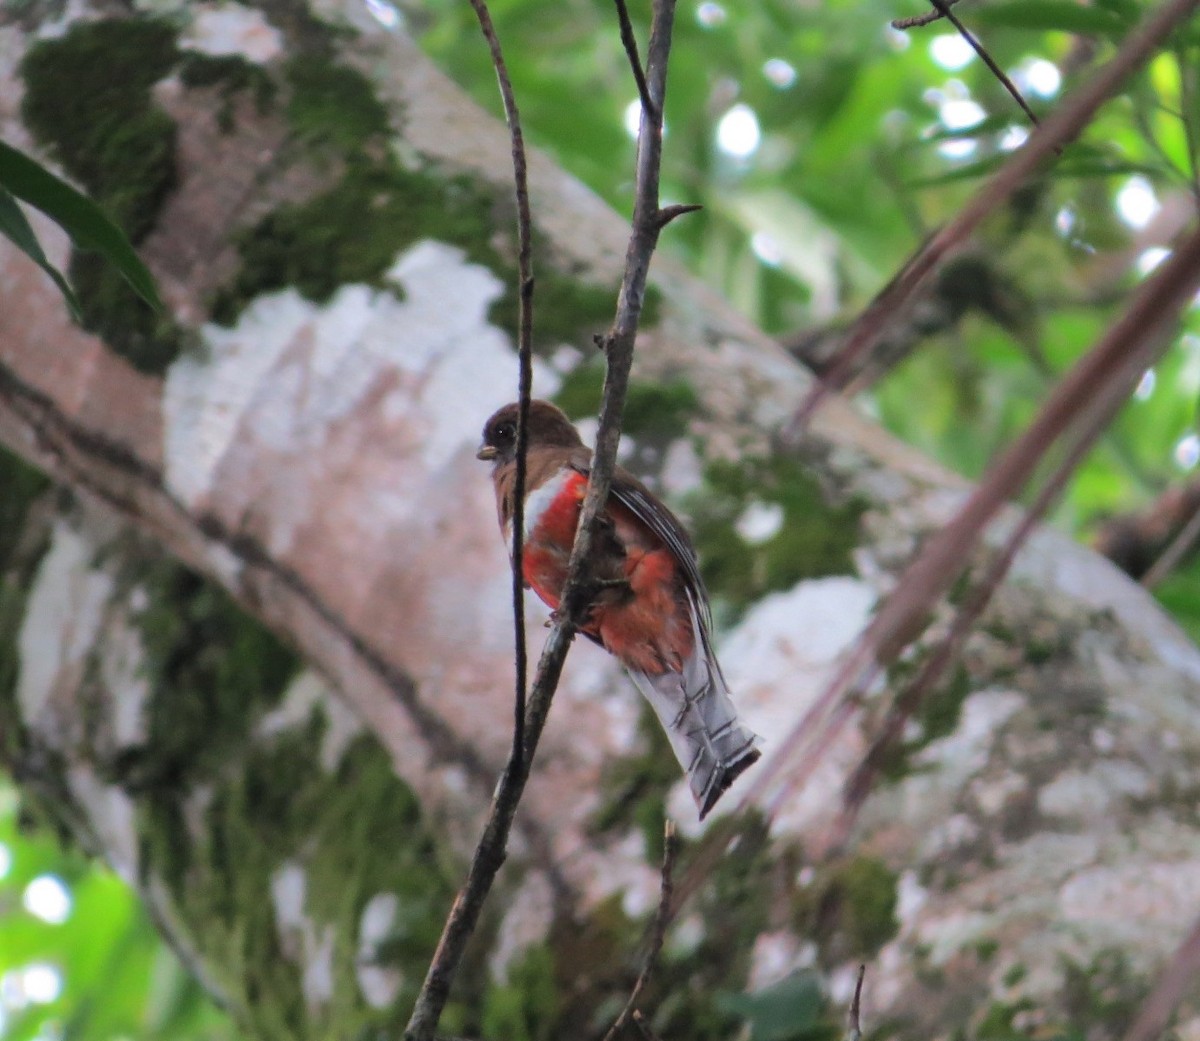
[[792, 1010], [15, 226], [987, 125], [87, 224], [1179, 593], [1085, 167], [1054, 15]]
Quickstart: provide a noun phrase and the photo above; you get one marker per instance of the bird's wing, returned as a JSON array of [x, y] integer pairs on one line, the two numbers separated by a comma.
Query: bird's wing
[[644, 505]]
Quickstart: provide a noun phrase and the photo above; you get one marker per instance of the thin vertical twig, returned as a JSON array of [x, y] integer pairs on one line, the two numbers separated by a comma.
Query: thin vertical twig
[[943, 8], [658, 930], [854, 1018], [490, 851], [525, 365], [629, 41]]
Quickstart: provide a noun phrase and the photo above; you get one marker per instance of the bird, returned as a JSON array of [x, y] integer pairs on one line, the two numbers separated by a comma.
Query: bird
[[648, 605]]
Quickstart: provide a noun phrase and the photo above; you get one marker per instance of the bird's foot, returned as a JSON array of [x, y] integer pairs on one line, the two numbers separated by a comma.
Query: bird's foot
[[611, 589]]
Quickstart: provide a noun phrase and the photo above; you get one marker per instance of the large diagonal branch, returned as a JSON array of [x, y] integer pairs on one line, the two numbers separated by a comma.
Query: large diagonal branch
[[1134, 340]]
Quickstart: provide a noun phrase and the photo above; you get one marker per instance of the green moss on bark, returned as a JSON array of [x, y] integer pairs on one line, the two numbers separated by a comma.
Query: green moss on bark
[[815, 537], [937, 714], [1097, 1000], [88, 101], [849, 908], [353, 231], [231, 75], [333, 106], [226, 813], [346, 836], [654, 410], [212, 670]]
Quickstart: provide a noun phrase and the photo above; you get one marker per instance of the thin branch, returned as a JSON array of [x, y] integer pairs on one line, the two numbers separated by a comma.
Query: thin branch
[[669, 213], [635, 60], [921, 20], [943, 8], [490, 851], [525, 362], [658, 929], [1174, 553], [1177, 979], [1047, 139], [461, 921], [854, 1020]]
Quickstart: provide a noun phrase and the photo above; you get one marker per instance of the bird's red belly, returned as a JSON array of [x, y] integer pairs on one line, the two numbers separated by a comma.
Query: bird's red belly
[[649, 629], [551, 534]]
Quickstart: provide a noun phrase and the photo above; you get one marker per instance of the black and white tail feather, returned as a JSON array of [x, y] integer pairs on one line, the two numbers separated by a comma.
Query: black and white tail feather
[[694, 707]]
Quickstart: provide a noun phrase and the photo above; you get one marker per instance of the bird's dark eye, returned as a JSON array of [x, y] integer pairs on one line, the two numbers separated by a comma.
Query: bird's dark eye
[[506, 433]]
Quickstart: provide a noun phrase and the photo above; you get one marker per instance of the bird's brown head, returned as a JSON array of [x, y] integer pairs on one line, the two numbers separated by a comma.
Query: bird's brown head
[[548, 427]]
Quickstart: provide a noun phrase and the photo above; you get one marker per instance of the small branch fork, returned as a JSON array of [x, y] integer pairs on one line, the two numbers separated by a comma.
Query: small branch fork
[[943, 10], [648, 220], [629, 41], [921, 20]]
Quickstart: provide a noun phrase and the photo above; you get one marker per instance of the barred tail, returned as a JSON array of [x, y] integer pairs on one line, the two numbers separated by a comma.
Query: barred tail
[[712, 745]]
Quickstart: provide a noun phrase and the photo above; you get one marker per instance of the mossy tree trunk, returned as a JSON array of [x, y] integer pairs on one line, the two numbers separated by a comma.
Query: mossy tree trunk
[[256, 647]]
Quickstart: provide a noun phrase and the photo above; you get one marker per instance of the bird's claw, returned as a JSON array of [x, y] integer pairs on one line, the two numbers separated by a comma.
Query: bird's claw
[[611, 583]]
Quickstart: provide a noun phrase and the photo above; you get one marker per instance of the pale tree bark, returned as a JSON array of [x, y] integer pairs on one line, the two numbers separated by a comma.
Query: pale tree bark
[[294, 796]]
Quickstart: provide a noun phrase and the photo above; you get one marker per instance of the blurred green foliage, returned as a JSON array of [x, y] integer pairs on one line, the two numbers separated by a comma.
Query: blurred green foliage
[[90, 966]]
